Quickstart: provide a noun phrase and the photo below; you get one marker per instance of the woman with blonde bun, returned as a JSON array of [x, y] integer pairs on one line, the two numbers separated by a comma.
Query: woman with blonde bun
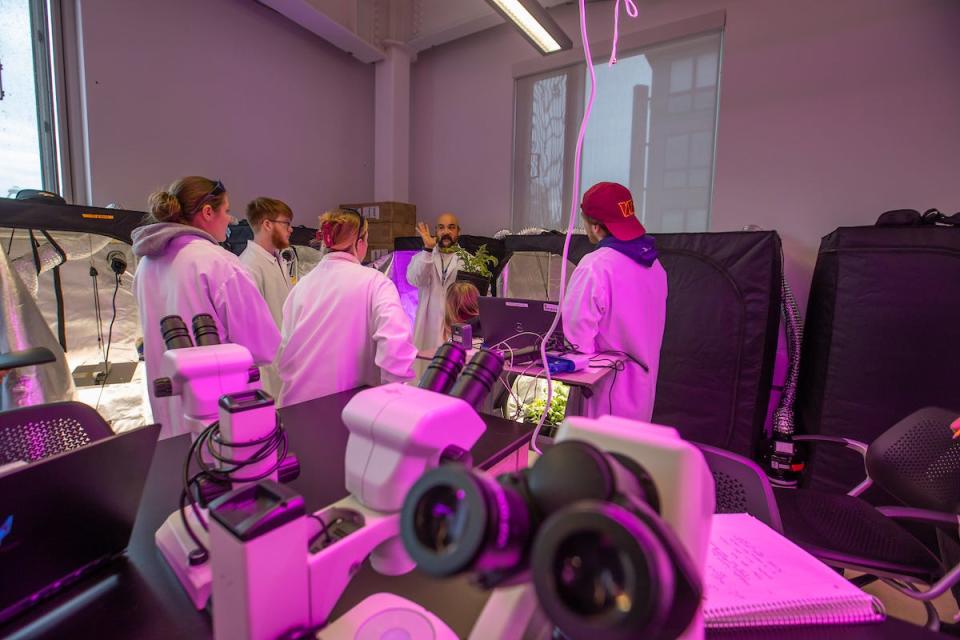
[[343, 325], [183, 271]]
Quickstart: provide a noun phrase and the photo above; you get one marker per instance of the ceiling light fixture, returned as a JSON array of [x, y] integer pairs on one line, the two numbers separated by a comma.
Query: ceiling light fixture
[[534, 23]]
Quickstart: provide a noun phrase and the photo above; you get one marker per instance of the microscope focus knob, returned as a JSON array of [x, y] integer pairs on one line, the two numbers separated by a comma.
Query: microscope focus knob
[[254, 373], [162, 387]]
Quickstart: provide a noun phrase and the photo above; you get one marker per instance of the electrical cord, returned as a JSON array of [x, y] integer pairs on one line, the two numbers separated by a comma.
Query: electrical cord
[[574, 204], [324, 530], [106, 357], [268, 445]]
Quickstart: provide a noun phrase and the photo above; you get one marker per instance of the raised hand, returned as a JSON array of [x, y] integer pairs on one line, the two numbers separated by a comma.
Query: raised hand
[[428, 240]]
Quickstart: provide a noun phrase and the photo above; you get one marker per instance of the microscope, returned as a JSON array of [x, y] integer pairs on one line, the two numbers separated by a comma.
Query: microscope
[[605, 536], [279, 570], [237, 439]]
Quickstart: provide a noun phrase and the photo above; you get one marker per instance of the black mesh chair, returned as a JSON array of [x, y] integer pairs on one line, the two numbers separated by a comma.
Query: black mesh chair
[[917, 461], [32, 433], [28, 434], [742, 486]]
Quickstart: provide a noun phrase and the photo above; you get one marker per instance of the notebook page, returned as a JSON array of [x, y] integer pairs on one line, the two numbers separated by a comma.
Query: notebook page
[[752, 571]]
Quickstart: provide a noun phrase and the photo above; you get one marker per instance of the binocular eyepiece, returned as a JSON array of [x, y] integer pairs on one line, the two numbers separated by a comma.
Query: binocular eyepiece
[[584, 522], [477, 379], [177, 336]]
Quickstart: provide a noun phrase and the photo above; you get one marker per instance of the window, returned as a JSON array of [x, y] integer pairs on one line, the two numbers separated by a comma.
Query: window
[[28, 154], [652, 128]]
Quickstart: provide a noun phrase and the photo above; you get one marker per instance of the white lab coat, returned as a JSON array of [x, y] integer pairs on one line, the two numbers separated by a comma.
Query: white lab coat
[[271, 274], [425, 272], [184, 272], [612, 303], [343, 327]]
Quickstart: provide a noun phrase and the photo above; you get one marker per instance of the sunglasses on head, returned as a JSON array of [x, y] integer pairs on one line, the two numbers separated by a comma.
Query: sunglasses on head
[[218, 189]]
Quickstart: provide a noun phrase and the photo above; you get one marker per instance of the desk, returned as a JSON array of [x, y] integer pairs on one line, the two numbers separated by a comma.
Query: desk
[[582, 382], [140, 598]]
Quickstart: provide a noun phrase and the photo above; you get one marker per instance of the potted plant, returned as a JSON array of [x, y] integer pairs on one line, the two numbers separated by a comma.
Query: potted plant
[[558, 408], [475, 267]]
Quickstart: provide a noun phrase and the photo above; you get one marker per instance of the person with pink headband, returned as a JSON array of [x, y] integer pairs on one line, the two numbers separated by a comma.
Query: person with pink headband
[[342, 325]]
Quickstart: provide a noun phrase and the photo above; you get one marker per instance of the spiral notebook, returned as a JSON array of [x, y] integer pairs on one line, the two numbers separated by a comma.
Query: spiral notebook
[[757, 578]]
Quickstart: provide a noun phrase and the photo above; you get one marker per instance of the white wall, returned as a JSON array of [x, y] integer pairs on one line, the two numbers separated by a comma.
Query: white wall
[[227, 89], [830, 113]]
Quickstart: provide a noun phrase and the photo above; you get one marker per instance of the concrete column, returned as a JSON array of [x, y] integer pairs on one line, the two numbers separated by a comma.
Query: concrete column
[[391, 163]]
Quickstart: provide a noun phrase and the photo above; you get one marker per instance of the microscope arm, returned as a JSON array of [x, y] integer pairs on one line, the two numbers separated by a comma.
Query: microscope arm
[[331, 569]]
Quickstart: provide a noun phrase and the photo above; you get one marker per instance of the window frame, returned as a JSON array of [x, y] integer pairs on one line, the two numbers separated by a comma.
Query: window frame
[[630, 42]]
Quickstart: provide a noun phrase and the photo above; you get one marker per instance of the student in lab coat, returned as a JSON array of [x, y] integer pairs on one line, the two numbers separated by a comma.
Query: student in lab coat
[[616, 303], [432, 271], [343, 325], [272, 224], [184, 272]]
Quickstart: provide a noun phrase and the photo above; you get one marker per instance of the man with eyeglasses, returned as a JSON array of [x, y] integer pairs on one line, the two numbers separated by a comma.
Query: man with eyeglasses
[[272, 223]]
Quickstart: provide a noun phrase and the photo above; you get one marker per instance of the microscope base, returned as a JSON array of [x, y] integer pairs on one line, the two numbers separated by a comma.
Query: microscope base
[[384, 615], [176, 545]]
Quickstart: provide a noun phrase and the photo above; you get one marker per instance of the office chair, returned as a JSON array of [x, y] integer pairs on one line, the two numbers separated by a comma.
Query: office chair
[[916, 461], [32, 433]]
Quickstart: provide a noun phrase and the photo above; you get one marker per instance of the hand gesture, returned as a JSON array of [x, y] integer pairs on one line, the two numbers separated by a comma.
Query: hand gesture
[[428, 240]]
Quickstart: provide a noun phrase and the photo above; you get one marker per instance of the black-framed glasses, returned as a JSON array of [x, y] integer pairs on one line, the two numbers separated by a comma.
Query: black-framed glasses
[[218, 189], [281, 221]]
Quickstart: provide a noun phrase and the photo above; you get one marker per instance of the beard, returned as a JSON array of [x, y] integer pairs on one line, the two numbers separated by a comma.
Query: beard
[[446, 241], [280, 239]]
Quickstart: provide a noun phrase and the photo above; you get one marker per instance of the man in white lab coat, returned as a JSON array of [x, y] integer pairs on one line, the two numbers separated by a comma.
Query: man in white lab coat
[[432, 271], [343, 325], [272, 224], [616, 303]]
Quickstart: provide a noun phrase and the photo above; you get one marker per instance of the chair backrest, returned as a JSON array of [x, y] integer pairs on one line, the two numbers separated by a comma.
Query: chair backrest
[[36, 432], [742, 487], [917, 461]]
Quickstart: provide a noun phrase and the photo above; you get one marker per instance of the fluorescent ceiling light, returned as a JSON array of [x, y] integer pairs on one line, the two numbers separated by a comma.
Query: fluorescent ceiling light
[[534, 23]]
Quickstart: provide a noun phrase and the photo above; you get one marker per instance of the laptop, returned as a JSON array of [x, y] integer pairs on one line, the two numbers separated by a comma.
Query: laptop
[[518, 323], [64, 516]]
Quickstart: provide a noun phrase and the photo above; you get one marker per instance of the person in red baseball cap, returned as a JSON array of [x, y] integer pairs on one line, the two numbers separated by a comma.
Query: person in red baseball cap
[[616, 303]]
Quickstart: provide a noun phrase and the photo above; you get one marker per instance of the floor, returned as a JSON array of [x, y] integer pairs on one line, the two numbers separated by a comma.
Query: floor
[[904, 608]]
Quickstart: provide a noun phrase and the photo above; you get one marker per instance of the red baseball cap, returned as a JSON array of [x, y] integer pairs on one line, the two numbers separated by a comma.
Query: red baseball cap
[[612, 204]]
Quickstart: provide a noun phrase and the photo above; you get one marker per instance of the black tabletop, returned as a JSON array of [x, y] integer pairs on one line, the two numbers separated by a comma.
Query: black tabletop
[[139, 597]]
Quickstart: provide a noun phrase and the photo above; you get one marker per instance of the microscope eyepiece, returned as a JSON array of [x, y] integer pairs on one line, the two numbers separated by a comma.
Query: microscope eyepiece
[[599, 570], [443, 370], [175, 333], [478, 377], [454, 521], [205, 330]]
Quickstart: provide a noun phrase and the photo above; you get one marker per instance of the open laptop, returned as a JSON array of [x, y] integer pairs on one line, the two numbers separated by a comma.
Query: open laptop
[[518, 323], [66, 515]]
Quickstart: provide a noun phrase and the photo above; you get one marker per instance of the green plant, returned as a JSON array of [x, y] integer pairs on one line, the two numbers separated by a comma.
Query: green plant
[[558, 406], [478, 263]]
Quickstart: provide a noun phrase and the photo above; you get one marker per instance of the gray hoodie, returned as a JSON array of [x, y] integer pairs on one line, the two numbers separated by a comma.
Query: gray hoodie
[[152, 239]]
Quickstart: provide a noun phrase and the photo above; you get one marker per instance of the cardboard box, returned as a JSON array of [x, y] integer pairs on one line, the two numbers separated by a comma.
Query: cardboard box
[[383, 233], [398, 212]]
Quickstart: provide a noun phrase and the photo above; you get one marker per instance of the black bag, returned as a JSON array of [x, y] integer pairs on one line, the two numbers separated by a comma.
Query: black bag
[[913, 218]]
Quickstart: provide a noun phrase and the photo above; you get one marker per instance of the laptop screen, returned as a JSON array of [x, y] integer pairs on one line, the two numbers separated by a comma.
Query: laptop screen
[[67, 513], [517, 323]]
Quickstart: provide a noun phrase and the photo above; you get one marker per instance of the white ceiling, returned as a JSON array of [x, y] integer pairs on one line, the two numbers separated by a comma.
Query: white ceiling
[[361, 27]]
